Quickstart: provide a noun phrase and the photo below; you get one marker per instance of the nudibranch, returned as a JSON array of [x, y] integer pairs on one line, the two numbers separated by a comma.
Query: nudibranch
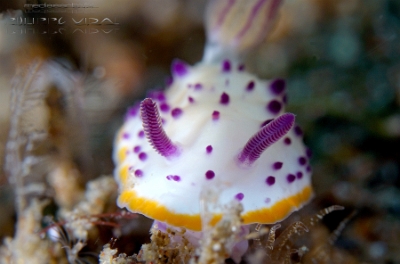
[[214, 125]]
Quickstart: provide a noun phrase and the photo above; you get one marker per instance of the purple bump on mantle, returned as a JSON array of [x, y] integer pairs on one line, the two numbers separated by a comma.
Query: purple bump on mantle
[[176, 112], [270, 180], [274, 106], [209, 149], [179, 68], [277, 165], [278, 86], [136, 149], [176, 178], [191, 100], [138, 173], [290, 178], [226, 66], [164, 107], [224, 98], [239, 196], [215, 115], [142, 156], [250, 86], [210, 175]]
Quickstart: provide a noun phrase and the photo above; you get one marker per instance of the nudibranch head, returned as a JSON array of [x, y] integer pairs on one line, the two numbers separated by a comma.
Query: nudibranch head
[[214, 126]]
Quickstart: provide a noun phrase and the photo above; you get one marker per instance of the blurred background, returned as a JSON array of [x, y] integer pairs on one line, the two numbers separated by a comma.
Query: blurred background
[[341, 60]]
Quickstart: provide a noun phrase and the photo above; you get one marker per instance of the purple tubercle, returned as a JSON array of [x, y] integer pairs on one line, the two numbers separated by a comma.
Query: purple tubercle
[[191, 100], [153, 129], [250, 86], [126, 135], [224, 99], [277, 165], [277, 86], [265, 137], [239, 196], [308, 168], [298, 131], [169, 81], [270, 180], [198, 86], [209, 149], [302, 161], [241, 67], [179, 68], [141, 134], [138, 173], [226, 66], [142, 156], [266, 122], [176, 178], [136, 149], [274, 106], [157, 95], [215, 115], [210, 174], [132, 111], [164, 107], [299, 175], [290, 178], [176, 112], [287, 141]]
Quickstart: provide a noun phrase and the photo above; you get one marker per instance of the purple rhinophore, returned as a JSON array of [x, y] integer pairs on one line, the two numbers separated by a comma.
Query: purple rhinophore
[[209, 149], [191, 100], [265, 137], [153, 129], [277, 86], [287, 141], [239, 196], [302, 161], [176, 112], [226, 66], [125, 135], [215, 115], [176, 178], [179, 68], [224, 99], [290, 178], [136, 149], [298, 131], [250, 86], [142, 156], [277, 165], [138, 173], [169, 80], [274, 106], [299, 175], [270, 180], [141, 134], [241, 67], [210, 175], [266, 122], [164, 107], [198, 86]]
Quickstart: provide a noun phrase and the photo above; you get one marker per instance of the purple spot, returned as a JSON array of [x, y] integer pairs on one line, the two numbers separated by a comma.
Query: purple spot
[[215, 115], [163, 121], [299, 175], [136, 149], [302, 161], [250, 86], [226, 66], [274, 106], [169, 177], [142, 156], [133, 111], [268, 200], [298, 131], [157, 95], [239, 196], [285, 98], [191, 100], [125, 135], [179, 68], [176, 178], [210, 175], [169, 80], [270, 180], [278, 86], [266, 122], [287, 141], [277, 165], [224, 99], [308, 152], [308, 169], [138, 173], [176, 112], [141, 134], [164, 107], [290, 178], [241, 67], [198, 86], [209, 149]]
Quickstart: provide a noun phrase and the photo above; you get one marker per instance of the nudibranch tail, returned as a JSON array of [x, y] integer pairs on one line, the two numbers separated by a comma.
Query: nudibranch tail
[[265, 137], [153, 129]]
